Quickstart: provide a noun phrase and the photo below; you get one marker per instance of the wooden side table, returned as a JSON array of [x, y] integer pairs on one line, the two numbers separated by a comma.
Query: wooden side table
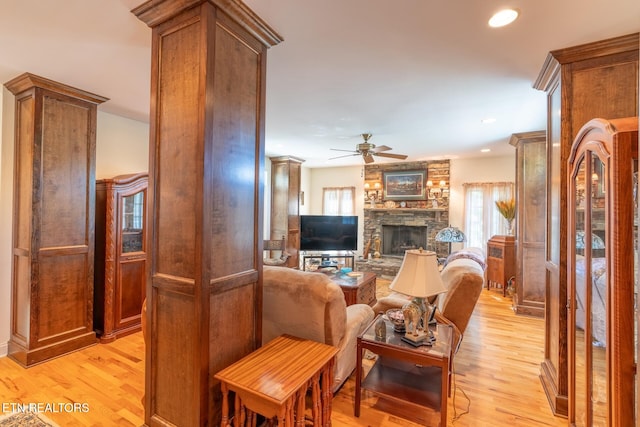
[[273, 380], [501, 261], [408, 376], [358, 290]]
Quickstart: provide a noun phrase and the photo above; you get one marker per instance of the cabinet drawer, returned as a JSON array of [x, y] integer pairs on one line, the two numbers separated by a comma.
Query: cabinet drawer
[[367, 294]]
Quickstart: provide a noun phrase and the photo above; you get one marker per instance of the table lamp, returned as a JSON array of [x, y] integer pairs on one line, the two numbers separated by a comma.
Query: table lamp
[[450, 235], [419, 278], [596, 241]]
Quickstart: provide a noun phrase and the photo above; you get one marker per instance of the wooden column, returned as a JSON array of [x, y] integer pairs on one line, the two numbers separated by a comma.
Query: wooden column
[[53, 219], [531, 177], [285, 204], [204, 281]]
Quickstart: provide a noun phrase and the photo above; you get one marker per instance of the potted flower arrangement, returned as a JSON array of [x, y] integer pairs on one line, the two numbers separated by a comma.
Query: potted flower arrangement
[[507, 209]]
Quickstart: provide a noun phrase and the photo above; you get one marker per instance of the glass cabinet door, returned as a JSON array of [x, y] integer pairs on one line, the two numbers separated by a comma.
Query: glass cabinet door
[[133, 222], [588, 295], [598, 309], [578, 297]]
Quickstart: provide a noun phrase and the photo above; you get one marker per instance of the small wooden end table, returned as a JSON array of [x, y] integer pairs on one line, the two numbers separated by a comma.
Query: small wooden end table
[[358, 289], [273, 380], [407, 375]]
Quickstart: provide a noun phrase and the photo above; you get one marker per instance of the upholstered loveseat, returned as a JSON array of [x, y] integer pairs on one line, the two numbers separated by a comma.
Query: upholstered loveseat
[[463, 276], [309, 305]]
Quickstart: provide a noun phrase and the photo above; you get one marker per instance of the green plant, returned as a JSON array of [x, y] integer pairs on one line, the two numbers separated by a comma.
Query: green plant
[[507, 208]]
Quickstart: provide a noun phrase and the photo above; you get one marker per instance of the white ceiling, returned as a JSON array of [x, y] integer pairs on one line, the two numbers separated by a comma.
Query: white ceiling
[[420, 75]]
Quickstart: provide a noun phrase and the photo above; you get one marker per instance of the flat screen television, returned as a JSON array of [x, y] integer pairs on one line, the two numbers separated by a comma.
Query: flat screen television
[[328, 233]]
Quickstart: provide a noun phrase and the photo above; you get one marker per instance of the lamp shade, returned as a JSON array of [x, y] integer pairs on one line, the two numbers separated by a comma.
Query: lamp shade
[[418, 275], [450, 234], [596, 241]]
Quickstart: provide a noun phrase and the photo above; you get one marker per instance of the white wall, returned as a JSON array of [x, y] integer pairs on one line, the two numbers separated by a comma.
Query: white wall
[[122, 146], [6, 205], [479, 169]]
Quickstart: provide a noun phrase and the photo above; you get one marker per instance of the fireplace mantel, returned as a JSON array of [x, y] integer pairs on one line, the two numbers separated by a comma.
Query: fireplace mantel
[[408, 209], [438, 211]]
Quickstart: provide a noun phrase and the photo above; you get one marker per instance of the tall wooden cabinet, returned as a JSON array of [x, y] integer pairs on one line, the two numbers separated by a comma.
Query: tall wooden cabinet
[[206, 178], [53, 219], [531, 177], [595, 80], [603, 172], [285, 204], [121, 255], [501, 261]]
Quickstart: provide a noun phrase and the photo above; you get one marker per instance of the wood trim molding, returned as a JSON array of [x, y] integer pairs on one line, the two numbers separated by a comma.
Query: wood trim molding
[[155, 12], [27, 80]]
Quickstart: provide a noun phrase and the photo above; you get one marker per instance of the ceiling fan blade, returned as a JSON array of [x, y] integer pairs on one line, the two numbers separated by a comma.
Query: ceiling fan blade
[[368, 158], [393, 156], [348, 151], [381, 148], [347, 155]]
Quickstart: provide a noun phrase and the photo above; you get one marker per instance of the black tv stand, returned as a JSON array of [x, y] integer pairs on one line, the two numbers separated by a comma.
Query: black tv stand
[[328, 263], [328, 260]]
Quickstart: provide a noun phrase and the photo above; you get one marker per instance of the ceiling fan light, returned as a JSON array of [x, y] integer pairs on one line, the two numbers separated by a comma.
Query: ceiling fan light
[[503, 17]]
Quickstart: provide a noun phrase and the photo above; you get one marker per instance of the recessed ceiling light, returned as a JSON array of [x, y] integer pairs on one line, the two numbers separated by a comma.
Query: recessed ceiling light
[[503, 17], [488, 120], [485, 150]]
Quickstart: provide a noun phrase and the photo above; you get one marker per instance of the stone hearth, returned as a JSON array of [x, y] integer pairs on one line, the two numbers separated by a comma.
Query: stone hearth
[[385, 267]]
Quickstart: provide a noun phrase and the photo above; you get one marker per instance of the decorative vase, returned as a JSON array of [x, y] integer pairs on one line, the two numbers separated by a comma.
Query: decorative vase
[[510, 227]]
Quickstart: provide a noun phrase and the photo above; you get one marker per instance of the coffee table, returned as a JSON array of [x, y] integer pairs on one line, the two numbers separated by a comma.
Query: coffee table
[[414, 377], [359, 289]]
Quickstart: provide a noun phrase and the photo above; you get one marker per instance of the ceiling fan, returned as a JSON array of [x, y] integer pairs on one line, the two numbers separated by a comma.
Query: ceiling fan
[[367, 150]]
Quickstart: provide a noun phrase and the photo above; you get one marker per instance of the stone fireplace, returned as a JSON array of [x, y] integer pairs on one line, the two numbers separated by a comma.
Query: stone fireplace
[[400, 229], [410, 225], [396, 239]]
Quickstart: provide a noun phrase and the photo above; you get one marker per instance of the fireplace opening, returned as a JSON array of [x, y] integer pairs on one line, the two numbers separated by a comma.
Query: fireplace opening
[[396, 239]]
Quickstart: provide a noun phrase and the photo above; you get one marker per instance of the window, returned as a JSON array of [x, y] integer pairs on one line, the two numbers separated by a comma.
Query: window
[[481, 217], [338, 200]]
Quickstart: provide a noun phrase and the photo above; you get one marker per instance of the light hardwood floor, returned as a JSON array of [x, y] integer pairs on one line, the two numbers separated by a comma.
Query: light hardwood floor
[[497, 367]]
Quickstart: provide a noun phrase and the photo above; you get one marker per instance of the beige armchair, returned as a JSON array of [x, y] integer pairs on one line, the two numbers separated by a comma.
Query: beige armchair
[[309, 305], [463, 276]]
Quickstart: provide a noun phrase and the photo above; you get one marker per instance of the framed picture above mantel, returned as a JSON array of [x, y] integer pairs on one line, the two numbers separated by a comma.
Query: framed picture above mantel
[[404, 185]]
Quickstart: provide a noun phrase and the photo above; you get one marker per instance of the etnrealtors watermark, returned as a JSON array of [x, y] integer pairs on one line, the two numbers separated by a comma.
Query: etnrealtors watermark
[[43, 407]]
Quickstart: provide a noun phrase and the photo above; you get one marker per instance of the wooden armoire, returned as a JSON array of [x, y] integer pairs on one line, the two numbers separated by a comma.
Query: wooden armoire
[[530, 192], [121, 255], [594, 80], [53, 219], [206, 180], [285, 204]]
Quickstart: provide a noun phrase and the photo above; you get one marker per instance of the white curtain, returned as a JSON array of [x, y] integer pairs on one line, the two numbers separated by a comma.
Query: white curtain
[[338, 200], [481, 217]]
